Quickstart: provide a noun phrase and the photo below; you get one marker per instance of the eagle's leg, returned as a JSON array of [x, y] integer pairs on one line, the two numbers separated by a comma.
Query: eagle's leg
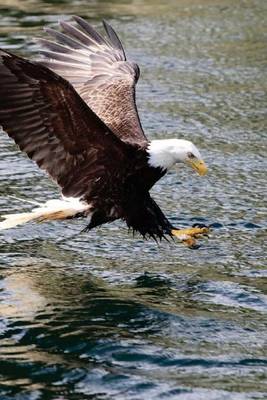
[[189, 235]]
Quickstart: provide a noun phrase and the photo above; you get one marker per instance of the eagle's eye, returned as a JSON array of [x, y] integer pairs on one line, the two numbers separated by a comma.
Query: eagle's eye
[[190, 155]]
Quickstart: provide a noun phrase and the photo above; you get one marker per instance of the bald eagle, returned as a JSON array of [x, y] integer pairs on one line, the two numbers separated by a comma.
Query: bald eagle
[[73, 112]]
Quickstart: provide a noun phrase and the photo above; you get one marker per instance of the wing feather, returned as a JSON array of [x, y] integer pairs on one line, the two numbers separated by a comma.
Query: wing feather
[[50, 122], [90, 31], [98, 70], [114, 38]]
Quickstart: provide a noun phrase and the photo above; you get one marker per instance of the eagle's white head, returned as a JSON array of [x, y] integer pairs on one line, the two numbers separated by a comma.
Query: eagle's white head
[[165, 153]]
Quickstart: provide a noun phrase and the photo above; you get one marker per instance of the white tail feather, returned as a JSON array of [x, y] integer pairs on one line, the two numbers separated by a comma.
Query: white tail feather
[[51, 210]]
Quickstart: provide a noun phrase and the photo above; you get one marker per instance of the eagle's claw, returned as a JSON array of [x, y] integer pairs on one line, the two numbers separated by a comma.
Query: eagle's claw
[[188, 236]]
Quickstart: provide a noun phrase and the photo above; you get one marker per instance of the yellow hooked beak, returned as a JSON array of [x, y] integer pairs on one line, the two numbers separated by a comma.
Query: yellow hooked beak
[[199, 166]]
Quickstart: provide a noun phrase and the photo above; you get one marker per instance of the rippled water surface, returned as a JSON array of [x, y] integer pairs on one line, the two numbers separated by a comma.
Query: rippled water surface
[[103, 315]]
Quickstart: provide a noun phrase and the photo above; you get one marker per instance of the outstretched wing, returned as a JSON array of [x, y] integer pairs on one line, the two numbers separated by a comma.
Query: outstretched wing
[[53, 125], [98, 70]]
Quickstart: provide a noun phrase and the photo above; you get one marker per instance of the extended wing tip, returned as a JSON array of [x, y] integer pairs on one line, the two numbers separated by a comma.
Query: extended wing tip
[[108, 28], [113, 37], [48, 30], [63, 23], [80, 21], [105, 22], [76, 18]]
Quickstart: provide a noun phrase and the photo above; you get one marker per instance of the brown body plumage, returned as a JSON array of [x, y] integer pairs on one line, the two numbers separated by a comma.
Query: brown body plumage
[[52, 124], [74, 113]]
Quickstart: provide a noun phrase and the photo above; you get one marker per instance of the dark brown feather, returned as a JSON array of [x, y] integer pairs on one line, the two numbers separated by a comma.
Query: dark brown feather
[[51, 123]]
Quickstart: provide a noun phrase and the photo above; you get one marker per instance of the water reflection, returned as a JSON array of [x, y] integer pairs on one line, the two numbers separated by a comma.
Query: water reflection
[[64, 326]]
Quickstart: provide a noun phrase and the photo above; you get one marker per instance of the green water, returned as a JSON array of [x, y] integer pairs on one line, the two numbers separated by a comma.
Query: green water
[[103, 315]]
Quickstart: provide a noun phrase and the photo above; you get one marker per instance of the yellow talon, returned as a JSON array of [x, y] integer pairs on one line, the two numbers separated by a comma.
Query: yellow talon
[[193, 232], [187, 236]]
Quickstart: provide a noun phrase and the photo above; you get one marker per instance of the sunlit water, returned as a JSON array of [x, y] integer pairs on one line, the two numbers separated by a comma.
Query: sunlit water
[[103, 315]]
